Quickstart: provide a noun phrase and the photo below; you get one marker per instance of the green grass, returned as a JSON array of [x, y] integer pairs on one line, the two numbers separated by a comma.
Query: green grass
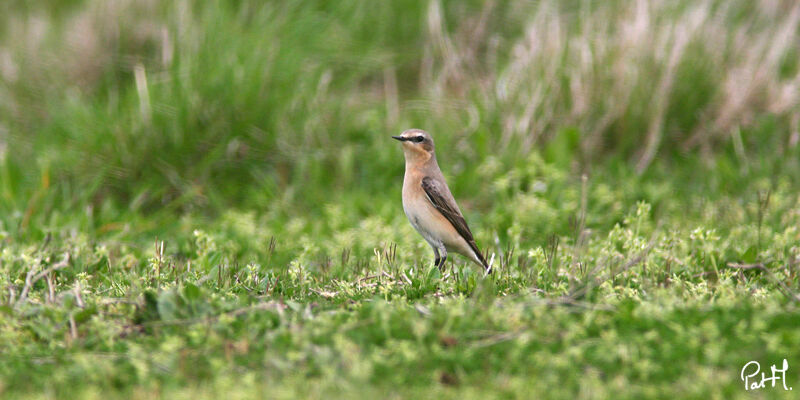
[[203, 201]]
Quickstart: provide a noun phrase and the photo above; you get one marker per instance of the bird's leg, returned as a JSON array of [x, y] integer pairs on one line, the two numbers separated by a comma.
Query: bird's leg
[[443, 259], [436, 256]]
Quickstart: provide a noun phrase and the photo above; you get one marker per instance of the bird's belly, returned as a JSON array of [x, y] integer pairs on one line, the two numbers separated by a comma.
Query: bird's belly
[[420, 219], [431, 224]]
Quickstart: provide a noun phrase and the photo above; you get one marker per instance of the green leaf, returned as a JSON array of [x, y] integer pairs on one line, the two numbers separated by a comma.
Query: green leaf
[[169, 305], [191, 292], [85, 314]]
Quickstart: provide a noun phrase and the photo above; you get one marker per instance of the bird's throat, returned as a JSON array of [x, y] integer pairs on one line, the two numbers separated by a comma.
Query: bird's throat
[[417, 157]]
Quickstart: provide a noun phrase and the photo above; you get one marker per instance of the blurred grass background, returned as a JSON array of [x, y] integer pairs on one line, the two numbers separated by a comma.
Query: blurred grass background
[[210, 198], [154, 107]]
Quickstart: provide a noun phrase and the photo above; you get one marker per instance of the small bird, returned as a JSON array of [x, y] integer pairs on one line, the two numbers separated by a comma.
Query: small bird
[[428, 204]]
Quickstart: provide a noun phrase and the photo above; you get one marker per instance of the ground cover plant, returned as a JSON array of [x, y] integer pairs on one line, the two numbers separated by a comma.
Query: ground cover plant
[[203, 200]]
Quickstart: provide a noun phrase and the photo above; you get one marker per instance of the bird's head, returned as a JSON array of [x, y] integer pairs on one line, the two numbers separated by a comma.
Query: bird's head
[[417, 144]]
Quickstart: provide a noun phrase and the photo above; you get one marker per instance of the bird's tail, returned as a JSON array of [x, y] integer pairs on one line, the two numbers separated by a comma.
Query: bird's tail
[[482, 260], [486, 265]]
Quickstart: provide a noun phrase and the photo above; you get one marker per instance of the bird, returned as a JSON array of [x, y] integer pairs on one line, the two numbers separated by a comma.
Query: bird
[[429, 205]]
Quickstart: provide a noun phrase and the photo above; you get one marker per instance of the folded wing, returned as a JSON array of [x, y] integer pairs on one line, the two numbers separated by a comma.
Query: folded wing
[[442, 200]]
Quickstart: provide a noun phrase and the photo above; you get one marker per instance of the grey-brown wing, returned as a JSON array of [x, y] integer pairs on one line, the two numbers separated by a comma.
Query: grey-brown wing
[[441, 199]]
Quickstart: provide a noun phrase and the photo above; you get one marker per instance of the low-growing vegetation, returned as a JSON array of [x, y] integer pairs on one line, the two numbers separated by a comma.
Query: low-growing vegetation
[[203, 200]]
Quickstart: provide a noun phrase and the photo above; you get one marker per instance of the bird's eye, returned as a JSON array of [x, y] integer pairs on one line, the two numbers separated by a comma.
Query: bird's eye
[[418, 139]]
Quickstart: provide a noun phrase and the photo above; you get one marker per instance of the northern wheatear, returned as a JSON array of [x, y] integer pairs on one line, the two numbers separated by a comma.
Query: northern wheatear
[[428, 204]]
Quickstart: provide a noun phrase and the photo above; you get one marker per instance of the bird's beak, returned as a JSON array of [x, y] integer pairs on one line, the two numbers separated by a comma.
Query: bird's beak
[[400, 138]]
